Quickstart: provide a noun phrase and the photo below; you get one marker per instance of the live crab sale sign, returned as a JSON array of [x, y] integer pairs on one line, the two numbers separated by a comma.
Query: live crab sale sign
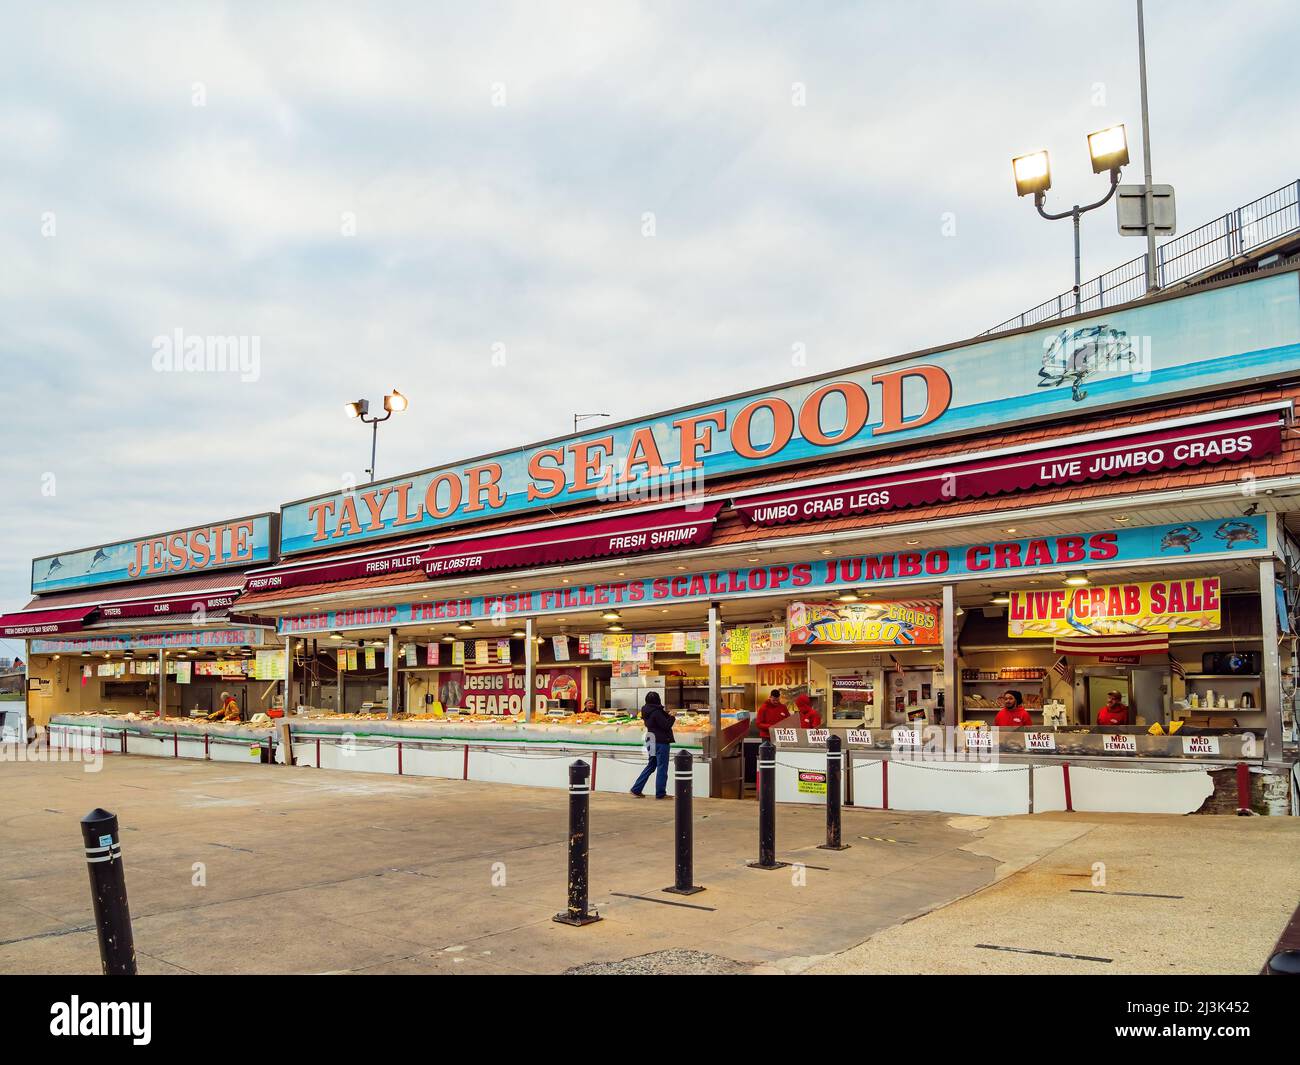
[[1185, 605]]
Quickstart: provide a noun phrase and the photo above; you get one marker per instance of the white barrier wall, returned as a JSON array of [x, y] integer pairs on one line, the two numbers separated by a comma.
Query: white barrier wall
[[959, 787], [868, 782], [1160, 791]]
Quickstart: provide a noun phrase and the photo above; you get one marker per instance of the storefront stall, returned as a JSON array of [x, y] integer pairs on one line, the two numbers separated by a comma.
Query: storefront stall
[[1104, 505]]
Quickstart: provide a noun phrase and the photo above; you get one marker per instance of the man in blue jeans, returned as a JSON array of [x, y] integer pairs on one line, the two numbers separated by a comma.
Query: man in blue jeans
[[659, 723]]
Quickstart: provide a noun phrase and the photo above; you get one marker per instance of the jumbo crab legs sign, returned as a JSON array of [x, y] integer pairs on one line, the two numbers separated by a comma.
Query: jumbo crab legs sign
[[1225, 440], [1158, 349], [933, 566]]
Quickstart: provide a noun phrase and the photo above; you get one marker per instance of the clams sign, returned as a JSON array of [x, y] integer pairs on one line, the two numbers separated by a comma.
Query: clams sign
[[1163, 348]]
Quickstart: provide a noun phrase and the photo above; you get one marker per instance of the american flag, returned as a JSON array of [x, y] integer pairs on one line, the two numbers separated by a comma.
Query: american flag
[[1062, 668], [1177, 668]]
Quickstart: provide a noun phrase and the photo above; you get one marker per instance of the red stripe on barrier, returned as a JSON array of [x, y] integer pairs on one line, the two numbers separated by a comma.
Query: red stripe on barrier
[[124, 741], [1069, 799], [594, 755], [884, 784], [465, 772], [207, 754], [1243, 788], [317, 753], [399, 758], [176, 744]]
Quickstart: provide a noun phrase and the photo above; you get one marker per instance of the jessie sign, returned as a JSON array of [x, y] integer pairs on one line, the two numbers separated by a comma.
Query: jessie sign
[[1189, 605]]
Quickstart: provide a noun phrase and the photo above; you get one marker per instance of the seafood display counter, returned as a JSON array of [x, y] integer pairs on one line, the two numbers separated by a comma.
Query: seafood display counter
[[501, 749], [496, 748], [991, 771], [170, 737]]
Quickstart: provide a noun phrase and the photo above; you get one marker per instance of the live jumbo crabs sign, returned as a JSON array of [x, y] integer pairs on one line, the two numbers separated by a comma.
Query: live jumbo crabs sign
[[1163, 348]]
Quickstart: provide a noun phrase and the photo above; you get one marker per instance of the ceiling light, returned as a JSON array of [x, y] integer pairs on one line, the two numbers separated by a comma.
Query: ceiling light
[[465, 626], [336, 635], [827, 551], [1076, 579], [615, 627], [449, 638], [611, 615], [519, 634], [912, 543], [1000, 600], [1011, 530], [848, 597]]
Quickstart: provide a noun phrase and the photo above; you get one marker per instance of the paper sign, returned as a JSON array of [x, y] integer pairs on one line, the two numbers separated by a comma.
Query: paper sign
[[785, 735], [431, 658], [1040, 741], [1201, 745], [1119, 744], [818, 735], [906, 737], [370, 658], [560, 648], [860, 737], [811, 782], [977, 739]]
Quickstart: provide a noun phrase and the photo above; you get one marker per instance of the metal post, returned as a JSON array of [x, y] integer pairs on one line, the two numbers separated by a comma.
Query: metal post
[[1146, 153], [766, 808], [834, 763], [951, 710], [103, 847], [579, 799], [683, 772], [715, 699], [1077, 274], [374, 443], [530, 668], [162, 684], [338, 670], [288, 674], [392, 672], [1271, 666]]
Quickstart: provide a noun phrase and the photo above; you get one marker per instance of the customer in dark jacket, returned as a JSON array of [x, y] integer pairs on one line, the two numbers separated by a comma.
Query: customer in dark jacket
[[659, 723]]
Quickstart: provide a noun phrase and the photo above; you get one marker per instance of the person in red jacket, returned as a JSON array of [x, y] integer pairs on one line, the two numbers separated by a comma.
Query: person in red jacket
[[1114, 712], [770, 713], [1012, 714], [808, 716]]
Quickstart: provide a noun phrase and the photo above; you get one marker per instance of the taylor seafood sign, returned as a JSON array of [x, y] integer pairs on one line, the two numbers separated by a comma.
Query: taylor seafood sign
[[1203, 340], [236, 542]]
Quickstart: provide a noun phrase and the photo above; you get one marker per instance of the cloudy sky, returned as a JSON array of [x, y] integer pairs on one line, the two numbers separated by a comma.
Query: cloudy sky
[[391, 194]]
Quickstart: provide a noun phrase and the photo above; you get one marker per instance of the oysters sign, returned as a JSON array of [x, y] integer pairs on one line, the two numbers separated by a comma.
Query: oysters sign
[[1208, 339]]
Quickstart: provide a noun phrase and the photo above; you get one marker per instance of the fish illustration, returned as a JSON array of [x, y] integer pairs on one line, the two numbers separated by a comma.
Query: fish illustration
[[1073, 356], [1102, 626], [100, 556], [1183, 536], [1236, 532], [56, 564]]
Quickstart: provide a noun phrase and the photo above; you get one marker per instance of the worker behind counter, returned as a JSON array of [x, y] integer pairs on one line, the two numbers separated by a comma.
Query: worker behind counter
[[808, 715], [770, 713], [227, 709], [1114, 712], [1013, 713]]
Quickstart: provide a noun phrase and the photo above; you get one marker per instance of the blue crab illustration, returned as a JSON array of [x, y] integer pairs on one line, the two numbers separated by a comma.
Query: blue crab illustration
[[1237, 532], [1182, 536], [1074, 355]]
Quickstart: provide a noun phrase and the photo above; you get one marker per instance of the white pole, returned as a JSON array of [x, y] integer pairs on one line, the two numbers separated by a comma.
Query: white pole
[[530, 668], [1146, 154]]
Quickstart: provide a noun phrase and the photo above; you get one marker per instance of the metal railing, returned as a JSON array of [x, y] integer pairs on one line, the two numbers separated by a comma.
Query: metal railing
[[1251, 226]]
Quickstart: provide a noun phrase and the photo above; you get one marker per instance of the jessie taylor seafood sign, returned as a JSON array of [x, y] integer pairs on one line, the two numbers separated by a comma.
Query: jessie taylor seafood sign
[[1117, 609]]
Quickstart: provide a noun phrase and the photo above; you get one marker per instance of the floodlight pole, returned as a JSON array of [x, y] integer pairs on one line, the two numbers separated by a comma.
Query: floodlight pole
[[1076, 212], [1146, 155]]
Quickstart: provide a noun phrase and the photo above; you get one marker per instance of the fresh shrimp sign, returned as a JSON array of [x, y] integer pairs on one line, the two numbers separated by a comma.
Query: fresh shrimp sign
[[1189, 605]]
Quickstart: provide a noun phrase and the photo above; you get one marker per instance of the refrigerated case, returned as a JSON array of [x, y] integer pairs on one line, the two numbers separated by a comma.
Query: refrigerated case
[[628, 693]]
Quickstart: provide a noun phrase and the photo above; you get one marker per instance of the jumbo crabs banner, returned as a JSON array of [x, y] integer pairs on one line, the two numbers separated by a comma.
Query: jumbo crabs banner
[[907, 623], [1165, 347], [1185, 605], [1234, 537]]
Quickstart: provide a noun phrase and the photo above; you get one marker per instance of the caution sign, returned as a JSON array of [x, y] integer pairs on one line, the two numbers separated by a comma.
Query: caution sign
[[812, 783]]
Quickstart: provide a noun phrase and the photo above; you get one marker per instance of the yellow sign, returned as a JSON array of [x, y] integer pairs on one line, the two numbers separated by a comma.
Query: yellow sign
[[1190, 605], [811, 782]]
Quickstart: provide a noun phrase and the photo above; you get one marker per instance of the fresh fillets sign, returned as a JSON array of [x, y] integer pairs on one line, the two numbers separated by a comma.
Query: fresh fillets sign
[[1236, 536], [1185, 345]]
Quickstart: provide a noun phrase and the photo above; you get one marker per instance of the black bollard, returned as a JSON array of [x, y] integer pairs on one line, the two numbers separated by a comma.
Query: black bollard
[[579, 799], [834, 768], [683, 774], [766, 808], [108, 893]]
